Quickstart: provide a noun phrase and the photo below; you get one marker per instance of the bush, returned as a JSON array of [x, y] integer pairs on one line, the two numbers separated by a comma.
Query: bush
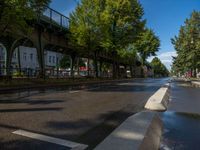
[[18, 74]]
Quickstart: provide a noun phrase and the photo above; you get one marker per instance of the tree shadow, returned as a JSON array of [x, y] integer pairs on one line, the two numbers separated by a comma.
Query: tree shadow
[[30, 109], [31, 102], [29, 144], [97, 129], [126, 88]]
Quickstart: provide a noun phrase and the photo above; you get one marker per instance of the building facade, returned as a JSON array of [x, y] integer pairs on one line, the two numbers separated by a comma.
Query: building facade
[[2, 60], [25, 59]]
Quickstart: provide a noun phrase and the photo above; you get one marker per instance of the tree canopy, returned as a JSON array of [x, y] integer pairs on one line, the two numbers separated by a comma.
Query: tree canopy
[[187, 46], [159, 68], [147, 44], [15, 14], [112, 26]]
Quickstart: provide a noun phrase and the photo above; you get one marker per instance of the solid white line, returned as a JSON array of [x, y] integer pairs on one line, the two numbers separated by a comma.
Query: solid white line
[[49, 139]]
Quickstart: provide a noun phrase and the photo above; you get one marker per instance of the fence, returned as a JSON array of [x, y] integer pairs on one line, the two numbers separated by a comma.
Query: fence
[[55, 18], [50, 73]]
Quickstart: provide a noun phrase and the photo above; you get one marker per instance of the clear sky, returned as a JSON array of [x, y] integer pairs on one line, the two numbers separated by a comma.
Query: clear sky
[[163, 16]]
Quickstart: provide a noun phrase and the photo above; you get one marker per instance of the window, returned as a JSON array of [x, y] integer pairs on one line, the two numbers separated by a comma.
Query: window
[[24, 56], [54, 59], [31, 57], [14, 55], [49, 59]]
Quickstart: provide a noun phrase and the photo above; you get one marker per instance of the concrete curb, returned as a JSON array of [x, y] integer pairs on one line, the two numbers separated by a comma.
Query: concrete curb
[[141, 131], [196, 83], [159, 100]]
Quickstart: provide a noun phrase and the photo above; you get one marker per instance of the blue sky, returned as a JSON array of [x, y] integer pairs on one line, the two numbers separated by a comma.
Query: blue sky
[[163, 16]]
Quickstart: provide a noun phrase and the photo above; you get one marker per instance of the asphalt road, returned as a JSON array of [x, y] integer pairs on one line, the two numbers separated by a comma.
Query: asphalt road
[[83, 115], [182, 119]]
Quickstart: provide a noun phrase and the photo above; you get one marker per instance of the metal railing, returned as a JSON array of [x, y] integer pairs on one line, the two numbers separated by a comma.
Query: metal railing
[[55, 18], [49, 73]]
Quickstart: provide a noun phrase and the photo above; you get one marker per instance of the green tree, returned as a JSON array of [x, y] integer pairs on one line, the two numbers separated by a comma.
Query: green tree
[[15, 15], [147, 44], [159, 68], [187, 45], [106, 25], [65, 62], [84, 28]]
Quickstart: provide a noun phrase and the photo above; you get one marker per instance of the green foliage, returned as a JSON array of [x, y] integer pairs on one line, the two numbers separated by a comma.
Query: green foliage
[[159, 68], [107, 25], [18, 74], [14, 15], [81, 63], [65, 62], [187, 45], [122, 22], [147, 44]]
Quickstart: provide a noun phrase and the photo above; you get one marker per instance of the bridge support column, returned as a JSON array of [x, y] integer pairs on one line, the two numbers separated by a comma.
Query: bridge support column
[[100, 67], [39, 45], [131, 71]]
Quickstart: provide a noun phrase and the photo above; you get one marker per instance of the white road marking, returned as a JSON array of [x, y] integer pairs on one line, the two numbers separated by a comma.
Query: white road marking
[[49, 139], [71, 92], [123, 84]]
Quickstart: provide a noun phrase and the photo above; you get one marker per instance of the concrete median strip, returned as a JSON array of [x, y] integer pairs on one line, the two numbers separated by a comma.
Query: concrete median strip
[[159, 100], [61, 142], [139, 132]]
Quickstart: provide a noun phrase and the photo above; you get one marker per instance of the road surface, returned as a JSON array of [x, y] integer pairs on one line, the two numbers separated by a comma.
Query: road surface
[[83, 115]]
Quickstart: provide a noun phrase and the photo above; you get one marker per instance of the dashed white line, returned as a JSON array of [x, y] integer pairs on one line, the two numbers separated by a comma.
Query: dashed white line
[[49, 139]]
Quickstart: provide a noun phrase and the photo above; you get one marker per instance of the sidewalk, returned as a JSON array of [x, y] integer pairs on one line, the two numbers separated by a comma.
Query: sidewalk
[[182, 119]]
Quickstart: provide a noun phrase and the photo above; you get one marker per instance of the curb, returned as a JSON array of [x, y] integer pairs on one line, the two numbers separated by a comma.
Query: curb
[[196, 83], [159, 100], [141, 131]]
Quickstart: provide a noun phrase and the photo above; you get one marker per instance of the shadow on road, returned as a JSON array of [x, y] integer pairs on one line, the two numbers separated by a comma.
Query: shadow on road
[[30, 109]]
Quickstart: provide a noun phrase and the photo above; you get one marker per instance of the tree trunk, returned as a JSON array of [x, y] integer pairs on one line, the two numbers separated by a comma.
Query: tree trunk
[[88, 67], [100, 68], [131, 71], [114, 70], [96, 65], [125, 69], [40, 52], [19, 60], [72, 65], [118, 70], [78, 70]]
